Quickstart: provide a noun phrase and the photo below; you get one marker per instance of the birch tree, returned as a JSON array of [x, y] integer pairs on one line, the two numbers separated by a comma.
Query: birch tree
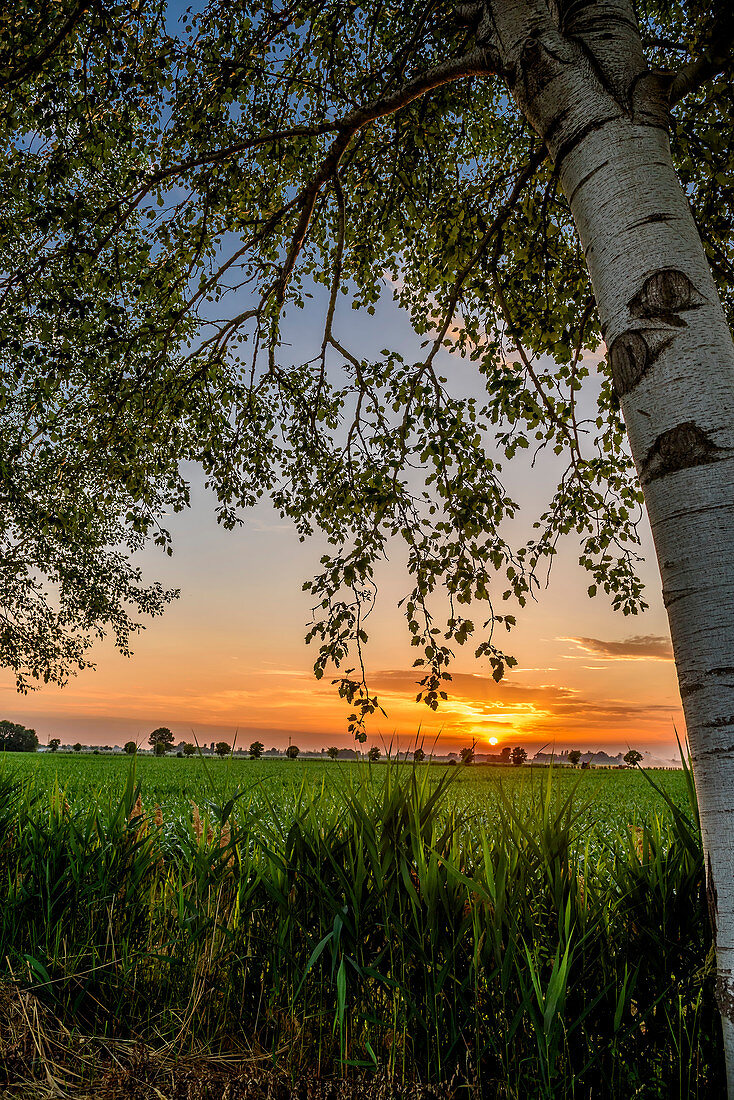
[[532, 180]]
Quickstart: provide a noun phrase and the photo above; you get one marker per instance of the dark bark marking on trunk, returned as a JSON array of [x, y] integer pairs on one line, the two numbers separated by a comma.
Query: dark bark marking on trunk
[[568, 146], [555, 124], [629, 357], [724, 997], [722, 750], [665, 294], [712, 897], [648, 96], [538, 67], [632, 354], [582, 182], [720, 723], [690, 689], [704, 510], [670, 598], [652, 219], [723, 670], [679, 448]]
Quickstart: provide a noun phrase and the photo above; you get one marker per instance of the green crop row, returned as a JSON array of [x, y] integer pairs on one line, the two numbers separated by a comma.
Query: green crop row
[[386, 917]]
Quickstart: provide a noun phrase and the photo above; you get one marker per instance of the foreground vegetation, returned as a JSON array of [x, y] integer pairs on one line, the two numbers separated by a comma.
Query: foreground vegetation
[[427, 924]]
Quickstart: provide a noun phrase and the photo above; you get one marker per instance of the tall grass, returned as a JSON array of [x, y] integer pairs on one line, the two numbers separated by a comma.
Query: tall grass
[[373, 925]]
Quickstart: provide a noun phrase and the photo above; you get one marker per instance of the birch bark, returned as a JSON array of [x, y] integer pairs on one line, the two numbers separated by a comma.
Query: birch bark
[[603, 118], [672, 362]]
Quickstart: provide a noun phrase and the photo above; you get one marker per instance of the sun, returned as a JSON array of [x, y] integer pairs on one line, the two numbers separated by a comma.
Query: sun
[[493, 740]]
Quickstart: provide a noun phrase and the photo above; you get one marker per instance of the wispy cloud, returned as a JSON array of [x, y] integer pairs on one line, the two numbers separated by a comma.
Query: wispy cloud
[[640, 647], [259, 526], [531, 707]]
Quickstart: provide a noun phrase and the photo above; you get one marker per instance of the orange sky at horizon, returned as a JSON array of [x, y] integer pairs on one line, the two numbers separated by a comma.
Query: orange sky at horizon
[[229, 654], [216, 663]]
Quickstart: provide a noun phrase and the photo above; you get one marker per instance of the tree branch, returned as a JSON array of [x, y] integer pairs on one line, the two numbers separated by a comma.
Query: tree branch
[[536, 159], [711, 62], [481, 61], [34, 65]]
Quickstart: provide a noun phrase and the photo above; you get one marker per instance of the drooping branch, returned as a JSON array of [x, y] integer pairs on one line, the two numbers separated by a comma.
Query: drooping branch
[[524, 177]]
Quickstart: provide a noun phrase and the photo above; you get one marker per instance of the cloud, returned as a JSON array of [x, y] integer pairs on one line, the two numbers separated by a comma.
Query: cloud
[[640, 647], [542, 706]]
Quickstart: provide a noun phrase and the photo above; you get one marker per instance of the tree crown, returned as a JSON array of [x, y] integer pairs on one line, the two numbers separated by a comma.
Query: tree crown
[[176, 200]]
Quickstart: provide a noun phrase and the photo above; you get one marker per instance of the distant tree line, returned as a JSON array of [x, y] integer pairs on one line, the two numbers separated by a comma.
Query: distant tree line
[[17, 738]]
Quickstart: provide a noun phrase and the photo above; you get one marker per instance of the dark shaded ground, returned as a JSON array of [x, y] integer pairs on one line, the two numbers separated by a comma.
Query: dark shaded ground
[[41, 1060]]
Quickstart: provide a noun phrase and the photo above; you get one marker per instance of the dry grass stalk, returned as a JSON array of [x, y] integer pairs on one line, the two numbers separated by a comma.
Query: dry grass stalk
[[41, 1060], [197, 821], [225, 840], [138, 818]]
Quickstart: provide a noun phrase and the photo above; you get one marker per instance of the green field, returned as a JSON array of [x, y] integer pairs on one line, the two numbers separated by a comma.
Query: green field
[[606, 799], [524, 932]]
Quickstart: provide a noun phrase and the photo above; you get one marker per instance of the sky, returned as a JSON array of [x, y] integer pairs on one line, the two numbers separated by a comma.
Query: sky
[[228, 658]]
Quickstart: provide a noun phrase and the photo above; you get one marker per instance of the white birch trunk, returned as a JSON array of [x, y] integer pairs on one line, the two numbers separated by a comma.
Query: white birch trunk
[[603, 119], [673, 366]]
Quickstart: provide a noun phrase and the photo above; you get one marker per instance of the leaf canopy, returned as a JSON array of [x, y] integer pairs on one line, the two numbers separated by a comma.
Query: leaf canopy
[[178, 191]]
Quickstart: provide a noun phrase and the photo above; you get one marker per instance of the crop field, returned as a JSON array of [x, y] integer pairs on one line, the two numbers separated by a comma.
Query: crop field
[[518, 932], [605, 799]]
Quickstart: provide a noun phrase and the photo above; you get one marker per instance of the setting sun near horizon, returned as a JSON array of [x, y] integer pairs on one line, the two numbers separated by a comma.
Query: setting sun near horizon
[[228, 658]]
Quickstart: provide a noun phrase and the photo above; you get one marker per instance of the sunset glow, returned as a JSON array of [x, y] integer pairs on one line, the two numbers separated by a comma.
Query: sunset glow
[[228, 658]]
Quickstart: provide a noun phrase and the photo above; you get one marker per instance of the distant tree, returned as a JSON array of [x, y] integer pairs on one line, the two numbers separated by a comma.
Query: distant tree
[[292, 752], [574, 756], [373, 754], [256, 750], [189, 749], [505, 754], [54, 743], [161, 737], [332, 753], [632, 757], [16, 738], [418, 755], [130, 748], [78, 747], [518, 756], [222, 749], [467, 755]]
